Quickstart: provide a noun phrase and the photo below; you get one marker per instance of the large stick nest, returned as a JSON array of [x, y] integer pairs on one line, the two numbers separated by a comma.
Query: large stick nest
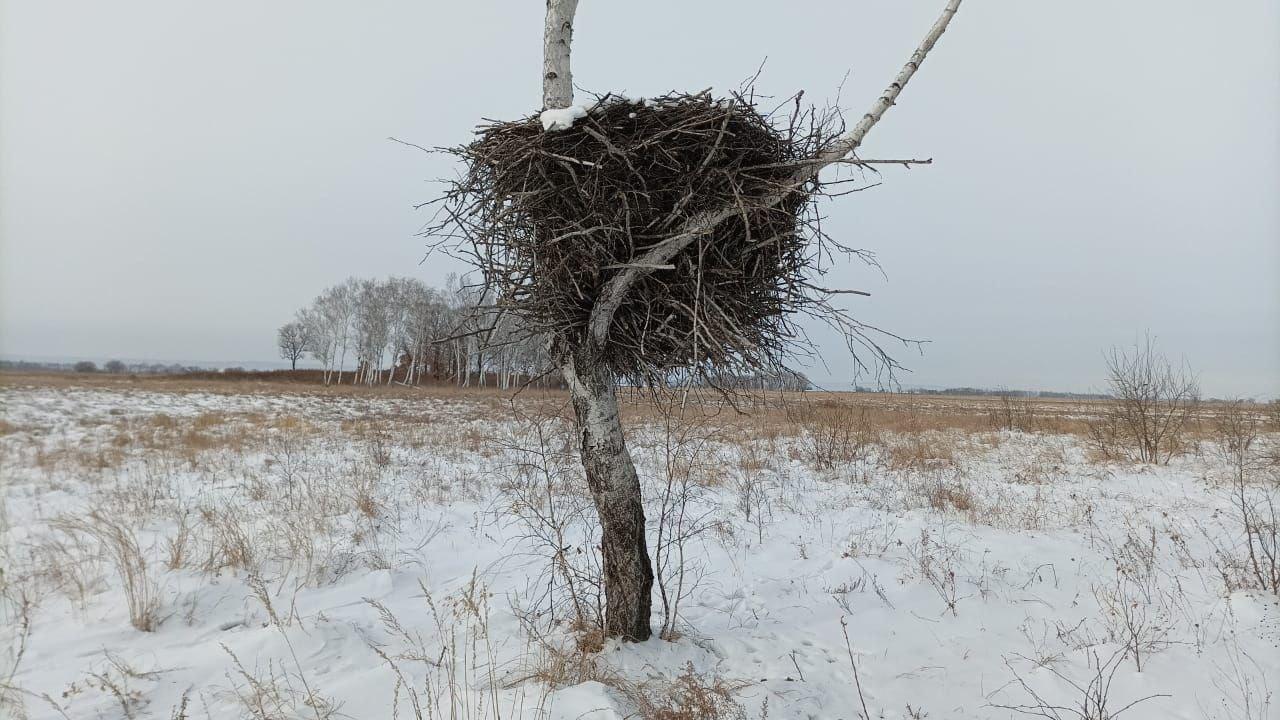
[[550, 216]]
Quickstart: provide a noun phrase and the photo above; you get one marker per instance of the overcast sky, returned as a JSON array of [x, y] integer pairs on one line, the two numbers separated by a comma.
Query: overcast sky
[[177, 177]]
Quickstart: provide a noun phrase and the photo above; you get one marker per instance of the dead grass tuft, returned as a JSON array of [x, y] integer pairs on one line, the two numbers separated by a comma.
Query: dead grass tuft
[[921, 451], [944, 497], [119, 543], [689, 696]]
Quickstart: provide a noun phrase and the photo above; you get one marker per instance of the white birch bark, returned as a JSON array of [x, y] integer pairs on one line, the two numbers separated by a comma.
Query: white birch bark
[[557, 37], [611, 474]]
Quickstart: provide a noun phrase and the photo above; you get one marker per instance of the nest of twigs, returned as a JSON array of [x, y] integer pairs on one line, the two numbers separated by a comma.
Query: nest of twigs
[[550, 216]]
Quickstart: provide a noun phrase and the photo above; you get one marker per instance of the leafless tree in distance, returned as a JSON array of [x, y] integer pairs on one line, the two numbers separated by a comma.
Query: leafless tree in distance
[[1155, 400], [294, 341]]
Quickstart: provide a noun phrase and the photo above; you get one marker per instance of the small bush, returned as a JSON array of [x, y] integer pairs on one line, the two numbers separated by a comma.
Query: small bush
[[1155, 403], [833, 433]]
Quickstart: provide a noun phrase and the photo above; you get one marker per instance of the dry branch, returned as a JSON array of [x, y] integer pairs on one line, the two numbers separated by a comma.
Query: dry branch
[[698, 226]]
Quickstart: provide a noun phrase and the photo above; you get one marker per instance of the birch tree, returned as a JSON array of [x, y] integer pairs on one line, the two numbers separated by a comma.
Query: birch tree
[[610, 472]]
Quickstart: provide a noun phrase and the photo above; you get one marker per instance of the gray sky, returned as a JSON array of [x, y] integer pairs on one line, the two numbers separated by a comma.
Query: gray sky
[[177, 178]]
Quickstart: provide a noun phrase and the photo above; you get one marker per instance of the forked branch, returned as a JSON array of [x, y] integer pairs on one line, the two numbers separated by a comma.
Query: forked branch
[[616, 289]]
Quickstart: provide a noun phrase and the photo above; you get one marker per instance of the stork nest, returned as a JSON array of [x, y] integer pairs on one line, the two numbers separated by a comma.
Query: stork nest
[[550, 216]]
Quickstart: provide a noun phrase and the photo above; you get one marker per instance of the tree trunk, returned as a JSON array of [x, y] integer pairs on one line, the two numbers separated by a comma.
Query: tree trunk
[[557, 37], [615, 487], [611, 476]]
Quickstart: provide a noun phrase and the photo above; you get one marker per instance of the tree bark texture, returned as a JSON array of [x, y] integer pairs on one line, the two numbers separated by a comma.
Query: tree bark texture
[[615, 488], [611, 475], [557, 80]]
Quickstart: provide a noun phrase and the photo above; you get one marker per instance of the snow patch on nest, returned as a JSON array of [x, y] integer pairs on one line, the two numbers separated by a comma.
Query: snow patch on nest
[[561, 118]]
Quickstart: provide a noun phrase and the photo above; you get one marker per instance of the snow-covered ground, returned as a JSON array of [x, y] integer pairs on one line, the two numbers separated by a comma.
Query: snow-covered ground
[[388, 555]]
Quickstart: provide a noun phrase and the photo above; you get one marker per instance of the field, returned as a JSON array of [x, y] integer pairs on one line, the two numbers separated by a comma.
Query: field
[[203, 549]]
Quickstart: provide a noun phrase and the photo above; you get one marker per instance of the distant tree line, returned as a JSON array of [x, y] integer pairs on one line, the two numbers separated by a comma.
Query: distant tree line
[[115, 367], [997, 392], [402, 330]]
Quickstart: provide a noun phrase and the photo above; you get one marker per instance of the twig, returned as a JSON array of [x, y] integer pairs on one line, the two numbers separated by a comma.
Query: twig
[[844, 628], [611, 298]]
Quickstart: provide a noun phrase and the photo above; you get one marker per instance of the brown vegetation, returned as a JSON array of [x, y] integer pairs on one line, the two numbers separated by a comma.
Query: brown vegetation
[[755, 414]]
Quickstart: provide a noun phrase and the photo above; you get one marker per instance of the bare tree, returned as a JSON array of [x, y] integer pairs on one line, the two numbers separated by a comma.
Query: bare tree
[[1155, 401], [320, 340], [334, 313], [610, 472], [733, 246], [1255, 562], [372, 326], [115, 367], [294, 341], [452, 334]]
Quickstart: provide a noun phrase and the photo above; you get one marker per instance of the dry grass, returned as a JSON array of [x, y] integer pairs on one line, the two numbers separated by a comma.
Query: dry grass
[[281, 518], [119, 543], [233, 385], [947, 496], [691, 695], [758, 415]]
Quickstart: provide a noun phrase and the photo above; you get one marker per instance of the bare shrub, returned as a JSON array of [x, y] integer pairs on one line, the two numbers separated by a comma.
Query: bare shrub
[[1155, 401], [1092, 700], [1242, 682], [287, 455], [1250, 556], [751, 498], [833, 433], [686, 458], [936, 560], [1236, 429], [1139, 626], [1255, 562], [115, 679], [1014, 412], [542, 483]]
